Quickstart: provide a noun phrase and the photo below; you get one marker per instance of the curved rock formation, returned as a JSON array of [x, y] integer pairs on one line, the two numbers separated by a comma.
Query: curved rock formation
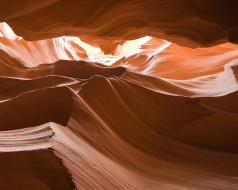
[[188, 22], [118, 94]]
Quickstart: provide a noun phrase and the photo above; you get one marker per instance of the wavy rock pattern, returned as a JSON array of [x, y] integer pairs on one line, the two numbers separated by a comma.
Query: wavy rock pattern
[[187, 22], [110, 95]]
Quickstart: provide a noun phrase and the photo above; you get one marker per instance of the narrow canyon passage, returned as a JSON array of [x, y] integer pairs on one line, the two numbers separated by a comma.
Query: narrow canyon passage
[[116, 94]]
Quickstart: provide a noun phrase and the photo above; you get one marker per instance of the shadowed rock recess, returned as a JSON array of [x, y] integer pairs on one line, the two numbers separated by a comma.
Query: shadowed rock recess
[[118, 94]]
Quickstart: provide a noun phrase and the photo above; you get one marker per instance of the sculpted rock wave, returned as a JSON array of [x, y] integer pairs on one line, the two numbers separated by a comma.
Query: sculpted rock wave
[[114, 95]]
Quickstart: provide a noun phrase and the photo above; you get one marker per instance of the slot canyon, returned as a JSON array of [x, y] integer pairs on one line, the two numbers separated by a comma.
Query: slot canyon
[[119, 94]]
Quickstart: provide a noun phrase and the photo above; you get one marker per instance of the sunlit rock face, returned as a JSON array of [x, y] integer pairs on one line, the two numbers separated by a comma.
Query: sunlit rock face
[[118, 94]]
